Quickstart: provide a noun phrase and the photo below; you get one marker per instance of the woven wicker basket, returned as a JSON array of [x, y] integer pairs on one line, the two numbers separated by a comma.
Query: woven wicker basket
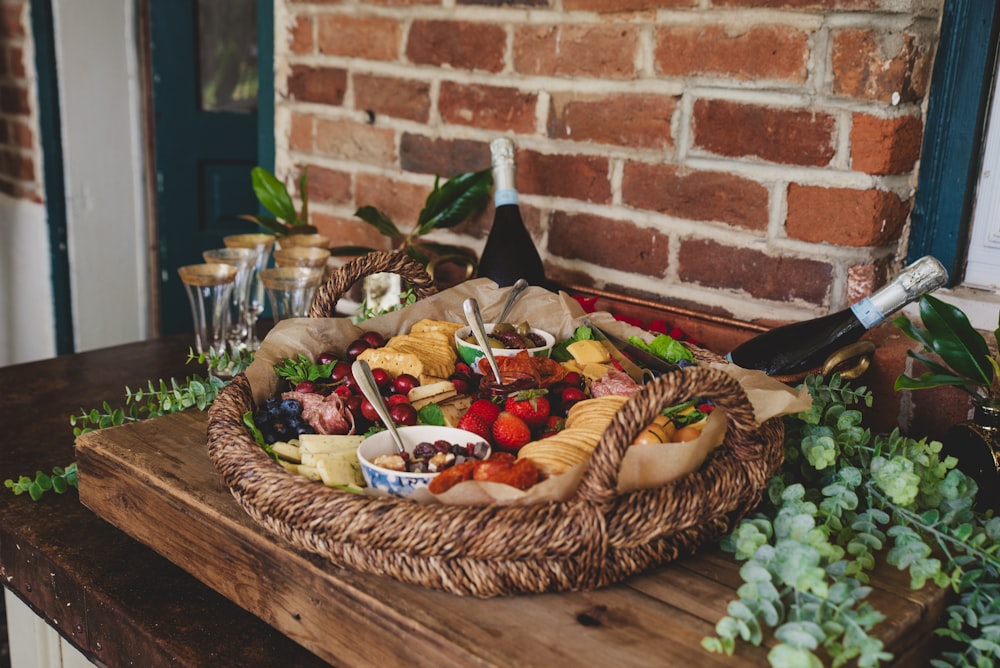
[[595, 538]]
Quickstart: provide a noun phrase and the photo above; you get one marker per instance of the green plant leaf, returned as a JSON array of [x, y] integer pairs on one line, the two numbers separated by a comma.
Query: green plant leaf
[[268, 223], [304, 196], [443, 250], [911, 330], [455, 200], [927, 381], [273, 195], [954, 339], [379, 221]]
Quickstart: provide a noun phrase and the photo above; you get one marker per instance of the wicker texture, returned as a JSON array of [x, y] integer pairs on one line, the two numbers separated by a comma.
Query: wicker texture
[[595, 538], [340, 281]]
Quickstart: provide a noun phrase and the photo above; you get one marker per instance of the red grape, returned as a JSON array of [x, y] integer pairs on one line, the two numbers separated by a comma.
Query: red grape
[[355, 348], [373, 339], [383, 380], [573, 378], [394, 399], [404, 382], [403, 414], [368, 410], [340, 371], [305, 386], [326, 357]]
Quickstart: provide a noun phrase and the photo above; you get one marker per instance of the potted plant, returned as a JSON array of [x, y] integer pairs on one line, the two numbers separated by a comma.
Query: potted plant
[[955, 354], [274, 196]]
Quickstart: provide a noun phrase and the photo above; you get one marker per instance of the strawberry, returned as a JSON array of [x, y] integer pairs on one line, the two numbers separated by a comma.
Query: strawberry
[[529, 405], [485, 409], [476, 424], [553, 425], [510, 432]]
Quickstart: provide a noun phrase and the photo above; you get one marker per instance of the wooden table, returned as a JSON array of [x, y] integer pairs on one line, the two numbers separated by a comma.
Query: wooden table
[[123, 603]]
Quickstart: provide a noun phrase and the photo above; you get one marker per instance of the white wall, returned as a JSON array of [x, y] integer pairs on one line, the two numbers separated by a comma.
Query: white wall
[[27, 328], [103, 165]]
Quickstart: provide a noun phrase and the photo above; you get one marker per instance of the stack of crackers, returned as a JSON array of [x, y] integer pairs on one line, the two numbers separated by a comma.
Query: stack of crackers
[[585, 422], [426, 353]]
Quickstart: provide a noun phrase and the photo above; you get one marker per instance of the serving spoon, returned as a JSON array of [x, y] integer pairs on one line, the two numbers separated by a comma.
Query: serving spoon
[[366, 382], [475, 318], [515, 292]]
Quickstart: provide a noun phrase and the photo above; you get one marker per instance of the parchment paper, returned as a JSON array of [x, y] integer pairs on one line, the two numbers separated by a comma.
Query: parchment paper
[[642, 466]]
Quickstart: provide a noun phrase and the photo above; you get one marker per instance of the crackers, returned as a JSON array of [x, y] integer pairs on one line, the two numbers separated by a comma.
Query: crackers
[[428, 350], [585, 423]]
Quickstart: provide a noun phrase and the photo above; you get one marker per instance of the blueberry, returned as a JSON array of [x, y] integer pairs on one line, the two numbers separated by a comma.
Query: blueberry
[[291, 407]]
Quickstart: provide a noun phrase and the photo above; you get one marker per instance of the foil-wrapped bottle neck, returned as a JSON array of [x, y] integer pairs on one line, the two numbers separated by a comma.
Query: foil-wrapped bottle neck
[[502, 152]]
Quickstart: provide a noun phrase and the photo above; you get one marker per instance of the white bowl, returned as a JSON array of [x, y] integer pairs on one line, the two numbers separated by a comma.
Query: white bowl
[[401, 483], [471, 353]]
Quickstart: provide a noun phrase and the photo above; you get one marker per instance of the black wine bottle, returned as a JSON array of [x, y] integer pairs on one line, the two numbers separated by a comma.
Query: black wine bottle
[[509, 253], [802, 346]]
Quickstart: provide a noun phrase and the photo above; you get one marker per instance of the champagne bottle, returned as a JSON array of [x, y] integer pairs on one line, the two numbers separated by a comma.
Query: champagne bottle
[[509, 253], [802, 346]]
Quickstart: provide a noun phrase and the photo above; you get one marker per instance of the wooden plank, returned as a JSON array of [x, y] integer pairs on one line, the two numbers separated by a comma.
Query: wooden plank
[[153, 480]]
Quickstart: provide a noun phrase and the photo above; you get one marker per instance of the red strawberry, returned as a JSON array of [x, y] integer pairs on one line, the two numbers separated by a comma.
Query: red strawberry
[[485, 409], [553, 425], [510, 432], [529, 405], [476, 424]]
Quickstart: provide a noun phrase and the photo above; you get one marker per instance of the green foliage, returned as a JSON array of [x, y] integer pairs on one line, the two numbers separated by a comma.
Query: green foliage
[[843, 500], [156, 399], [273, 195], [59, 482], [961, 355], [446, 206], [300, 368], [406, 297]]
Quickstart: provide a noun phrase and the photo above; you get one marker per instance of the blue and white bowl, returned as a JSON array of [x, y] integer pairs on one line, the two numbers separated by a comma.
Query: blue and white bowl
[[471, 353], [400, 483]]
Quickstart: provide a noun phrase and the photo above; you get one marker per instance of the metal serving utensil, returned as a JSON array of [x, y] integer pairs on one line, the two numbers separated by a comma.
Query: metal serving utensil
[[475, 318], [366, 381], [515, 292]]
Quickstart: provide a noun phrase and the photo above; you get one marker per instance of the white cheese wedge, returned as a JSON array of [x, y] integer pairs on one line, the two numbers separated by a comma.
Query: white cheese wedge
[[340, 469]]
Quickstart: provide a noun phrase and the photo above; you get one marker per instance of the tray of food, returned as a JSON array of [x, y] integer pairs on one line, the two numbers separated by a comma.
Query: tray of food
[[571, 470]]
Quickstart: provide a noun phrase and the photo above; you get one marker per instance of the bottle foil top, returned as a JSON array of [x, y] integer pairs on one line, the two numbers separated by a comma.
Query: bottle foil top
[[502, 151], [922, 276]]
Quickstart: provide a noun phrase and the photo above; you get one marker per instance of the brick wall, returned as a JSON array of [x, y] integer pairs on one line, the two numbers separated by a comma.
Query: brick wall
[[748, 157], [20, 152]]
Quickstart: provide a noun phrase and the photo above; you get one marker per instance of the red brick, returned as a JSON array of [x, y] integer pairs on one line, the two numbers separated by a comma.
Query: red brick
[[17, 65], [580, 177], [758, 52], [488, 107], [873, 65], [863, 279], [403, 3], [603, 50], [300, 37], [694, 195], [787, 136], [822, 5], [844, 216], [12, 20], [401, 201], [348, 231], [328, 186], [444, 157], [461, 44], [393, 96], [504, 3], [14, 100], [885, 145], [626, 119], [609, 6], [365, 144], [369, 37], [778, 278], [300, 136], [22, 133], [616, 244], [323, 85]]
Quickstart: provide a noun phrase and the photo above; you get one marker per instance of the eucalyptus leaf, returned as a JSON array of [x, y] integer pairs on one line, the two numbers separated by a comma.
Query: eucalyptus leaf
[[273, 194]]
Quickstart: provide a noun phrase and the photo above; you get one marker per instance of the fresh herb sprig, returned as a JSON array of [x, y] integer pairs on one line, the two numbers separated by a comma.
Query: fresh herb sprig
[[843, 500], [156, 399]]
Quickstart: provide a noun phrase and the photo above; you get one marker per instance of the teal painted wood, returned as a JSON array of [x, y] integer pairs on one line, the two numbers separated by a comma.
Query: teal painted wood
[[203, 158], [954, 134], [265, 84], [55, 189]]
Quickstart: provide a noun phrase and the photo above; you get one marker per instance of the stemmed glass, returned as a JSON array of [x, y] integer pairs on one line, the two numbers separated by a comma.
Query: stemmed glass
[[291, 290], [244, 259], [209, 287], [262, 244]]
